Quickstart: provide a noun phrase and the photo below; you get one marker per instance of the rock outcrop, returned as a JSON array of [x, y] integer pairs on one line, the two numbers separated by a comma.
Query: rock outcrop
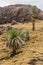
[[20, 13]]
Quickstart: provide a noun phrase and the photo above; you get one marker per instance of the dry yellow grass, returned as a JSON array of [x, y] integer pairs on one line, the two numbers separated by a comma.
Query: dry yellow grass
[[32, 53]]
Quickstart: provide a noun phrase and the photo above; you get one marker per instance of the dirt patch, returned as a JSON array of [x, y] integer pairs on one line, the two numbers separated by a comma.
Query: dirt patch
[[31, 54]]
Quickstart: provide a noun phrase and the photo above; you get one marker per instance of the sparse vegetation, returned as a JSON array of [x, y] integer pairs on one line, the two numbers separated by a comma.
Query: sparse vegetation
[[17, 39], [13, 22], [15, 35], [28, 53]]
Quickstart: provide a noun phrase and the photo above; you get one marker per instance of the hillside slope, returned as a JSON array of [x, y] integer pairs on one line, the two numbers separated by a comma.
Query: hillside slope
[[31, 54], [20, 13]]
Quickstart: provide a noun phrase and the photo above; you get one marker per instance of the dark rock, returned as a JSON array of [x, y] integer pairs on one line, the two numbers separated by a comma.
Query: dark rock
[[2, 29], [19, 13], [9, 28], [1, 32]]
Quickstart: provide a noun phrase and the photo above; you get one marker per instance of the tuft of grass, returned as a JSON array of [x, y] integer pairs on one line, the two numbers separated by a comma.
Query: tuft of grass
[[16, 39]]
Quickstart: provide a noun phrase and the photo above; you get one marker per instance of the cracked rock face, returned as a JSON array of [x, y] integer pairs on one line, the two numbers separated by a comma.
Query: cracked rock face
[[20, 13]]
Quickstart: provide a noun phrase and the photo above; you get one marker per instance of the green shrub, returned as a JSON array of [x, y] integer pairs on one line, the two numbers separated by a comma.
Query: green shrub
[[17, 38], [33, 20]]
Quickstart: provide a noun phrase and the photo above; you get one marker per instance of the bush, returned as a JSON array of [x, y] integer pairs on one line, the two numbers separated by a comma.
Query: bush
[[17, 39], [13, 22]]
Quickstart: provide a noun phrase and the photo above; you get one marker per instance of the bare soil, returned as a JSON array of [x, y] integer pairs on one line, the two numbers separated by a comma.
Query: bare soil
[[31, 53]]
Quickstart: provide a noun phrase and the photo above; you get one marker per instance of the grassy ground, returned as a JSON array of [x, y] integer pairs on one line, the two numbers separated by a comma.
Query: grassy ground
[[31, 54]]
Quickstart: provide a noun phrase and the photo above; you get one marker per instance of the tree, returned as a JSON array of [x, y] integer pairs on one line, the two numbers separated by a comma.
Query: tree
[[33, 23], [34, 11]]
